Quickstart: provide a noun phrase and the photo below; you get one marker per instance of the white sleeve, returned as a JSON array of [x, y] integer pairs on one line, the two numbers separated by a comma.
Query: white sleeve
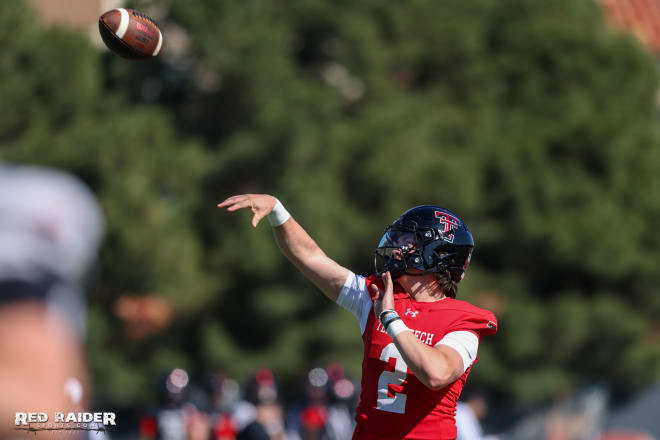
[[465, 343], [355, 298], [467, 424]]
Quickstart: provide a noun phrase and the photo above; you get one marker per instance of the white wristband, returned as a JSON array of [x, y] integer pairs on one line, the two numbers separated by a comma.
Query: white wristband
[[396, 327], [278, 215]]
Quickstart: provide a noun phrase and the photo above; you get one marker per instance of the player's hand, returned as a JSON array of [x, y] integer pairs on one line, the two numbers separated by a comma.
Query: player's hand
[[260, 204], [383, 299]]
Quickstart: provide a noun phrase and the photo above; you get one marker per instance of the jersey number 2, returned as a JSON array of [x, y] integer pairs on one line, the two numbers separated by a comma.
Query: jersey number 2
[[396, 404]]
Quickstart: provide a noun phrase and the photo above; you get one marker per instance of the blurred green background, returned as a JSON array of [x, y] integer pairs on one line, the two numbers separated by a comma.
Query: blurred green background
[[534, 121]]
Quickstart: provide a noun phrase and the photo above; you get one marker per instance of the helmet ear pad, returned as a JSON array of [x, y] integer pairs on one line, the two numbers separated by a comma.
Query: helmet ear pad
[[431, 257], [460, 262], [436, 259], [439, 258]]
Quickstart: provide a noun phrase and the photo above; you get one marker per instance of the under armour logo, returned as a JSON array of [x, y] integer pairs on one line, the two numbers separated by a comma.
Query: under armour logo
[[411, 312]]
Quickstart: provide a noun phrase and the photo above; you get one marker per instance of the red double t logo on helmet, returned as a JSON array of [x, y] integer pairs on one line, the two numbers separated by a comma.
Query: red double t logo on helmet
[[447, 223]]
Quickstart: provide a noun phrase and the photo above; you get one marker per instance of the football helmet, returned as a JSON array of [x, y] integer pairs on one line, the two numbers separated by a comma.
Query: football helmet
[[425, 239]]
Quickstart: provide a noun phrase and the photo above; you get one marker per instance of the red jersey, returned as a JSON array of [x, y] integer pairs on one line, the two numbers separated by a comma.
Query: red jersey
[[394, 404]]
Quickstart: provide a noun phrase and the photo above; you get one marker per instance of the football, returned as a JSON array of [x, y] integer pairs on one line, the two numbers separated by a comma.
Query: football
[[130, 33]]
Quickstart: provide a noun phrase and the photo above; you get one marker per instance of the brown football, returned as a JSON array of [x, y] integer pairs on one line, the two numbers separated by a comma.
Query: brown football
[[130, 33]]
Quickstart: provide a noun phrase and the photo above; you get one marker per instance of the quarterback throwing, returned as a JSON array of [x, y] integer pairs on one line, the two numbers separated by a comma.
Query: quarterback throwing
[[420, 342]]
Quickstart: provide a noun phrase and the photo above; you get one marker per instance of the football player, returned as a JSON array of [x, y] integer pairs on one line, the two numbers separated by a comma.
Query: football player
[[420, 342], [50, 231]]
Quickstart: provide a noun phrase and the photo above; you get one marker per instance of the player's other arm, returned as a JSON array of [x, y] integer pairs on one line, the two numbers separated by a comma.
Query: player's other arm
[[436, 367], [294, 242]]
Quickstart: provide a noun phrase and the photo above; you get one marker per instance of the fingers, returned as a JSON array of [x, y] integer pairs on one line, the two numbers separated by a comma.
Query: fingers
[[389, 284], [260, 204], [234, 203], [387, 296], [240, 205], [387, 279], [257, 218], [230, 200], [376, 290], [378, 307], [237, 202]]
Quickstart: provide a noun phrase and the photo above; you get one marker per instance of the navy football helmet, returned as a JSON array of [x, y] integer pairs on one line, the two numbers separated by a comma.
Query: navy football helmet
[[425, 239]]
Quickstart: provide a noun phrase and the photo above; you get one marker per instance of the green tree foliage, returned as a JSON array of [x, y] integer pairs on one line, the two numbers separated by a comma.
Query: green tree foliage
[[533, 120]]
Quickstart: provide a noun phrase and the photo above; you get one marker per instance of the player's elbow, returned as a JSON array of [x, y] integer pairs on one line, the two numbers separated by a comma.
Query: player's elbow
[[434, 372], [439, 379], [442, 369]]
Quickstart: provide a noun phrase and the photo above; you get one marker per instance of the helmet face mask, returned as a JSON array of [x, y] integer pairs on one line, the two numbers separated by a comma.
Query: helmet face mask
[[425, 239], [398, 250]]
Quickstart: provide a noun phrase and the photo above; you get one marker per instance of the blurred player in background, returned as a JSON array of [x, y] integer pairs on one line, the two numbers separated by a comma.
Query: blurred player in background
[[472, 408], [259, 416], [180, 412], [50, 230], [324, 409], [419, 342]]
